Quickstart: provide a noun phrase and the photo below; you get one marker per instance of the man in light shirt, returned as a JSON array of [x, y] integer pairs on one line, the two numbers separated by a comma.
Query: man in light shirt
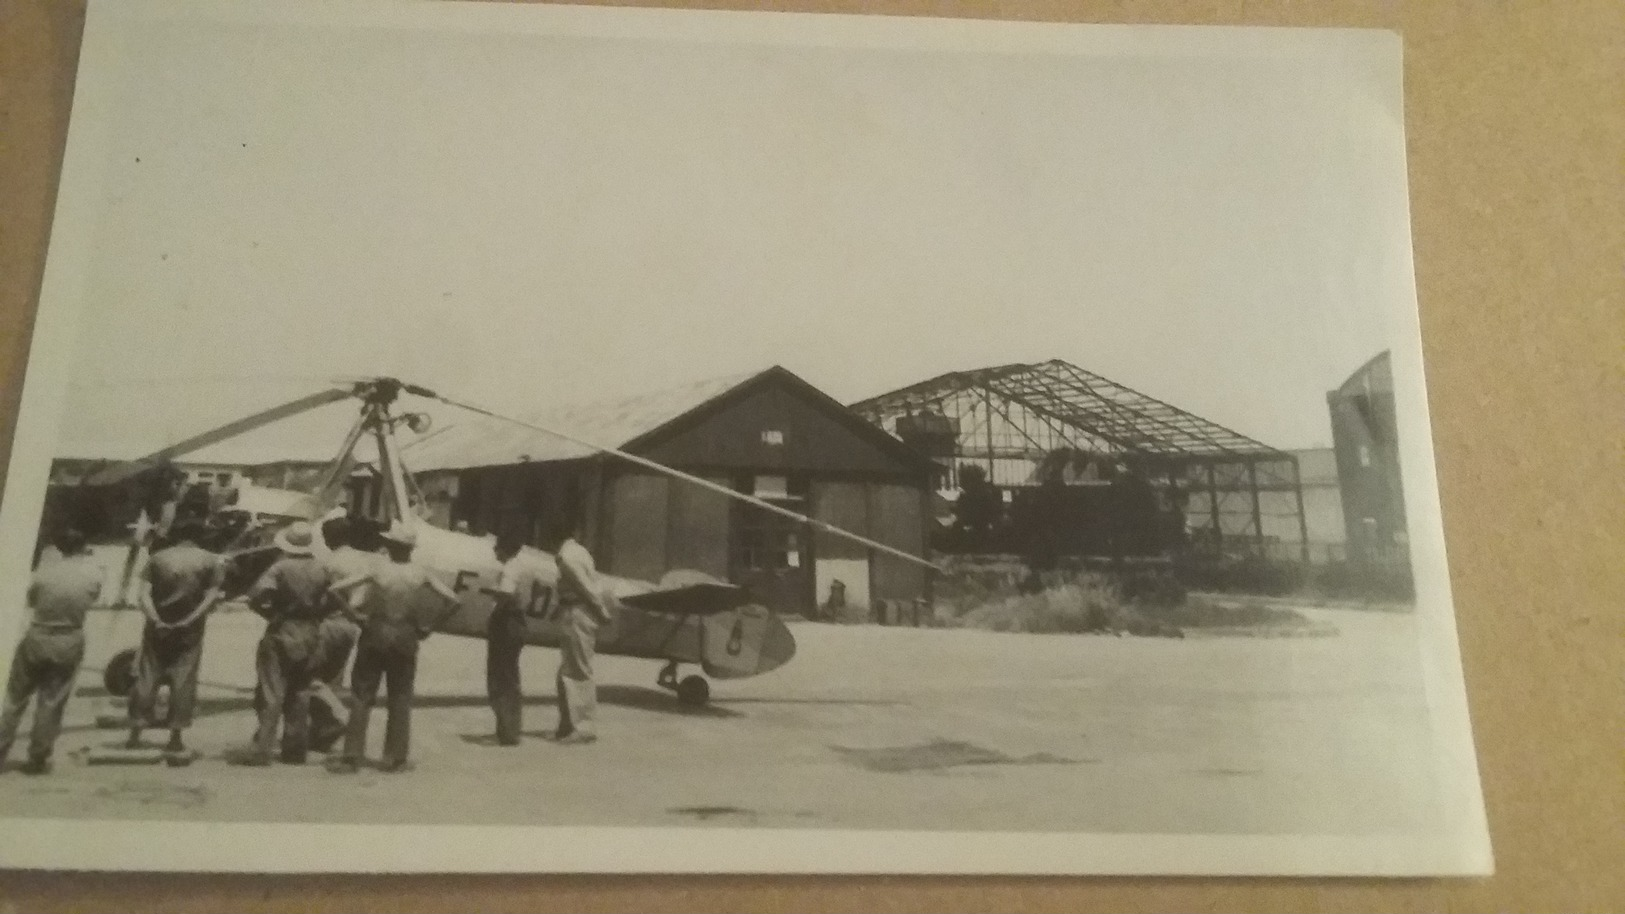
[[47, 659], [336, 636], [393, 622], [583, 610]]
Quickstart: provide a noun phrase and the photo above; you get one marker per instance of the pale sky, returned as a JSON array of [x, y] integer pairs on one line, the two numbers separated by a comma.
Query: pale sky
[[527, 219]]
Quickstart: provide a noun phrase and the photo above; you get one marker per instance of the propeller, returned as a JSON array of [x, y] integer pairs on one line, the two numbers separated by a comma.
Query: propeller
[[126, 469]]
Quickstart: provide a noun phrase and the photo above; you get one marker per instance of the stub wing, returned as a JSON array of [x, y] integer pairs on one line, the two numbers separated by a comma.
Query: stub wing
[[687, 594]]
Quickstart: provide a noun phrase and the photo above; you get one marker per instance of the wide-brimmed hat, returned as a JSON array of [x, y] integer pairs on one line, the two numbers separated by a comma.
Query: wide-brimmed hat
[[401, 534], [295, 539]]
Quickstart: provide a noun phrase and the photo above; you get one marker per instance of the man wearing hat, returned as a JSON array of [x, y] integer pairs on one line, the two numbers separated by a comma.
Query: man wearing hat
[[392, 623], [181, 584], [292, 595]]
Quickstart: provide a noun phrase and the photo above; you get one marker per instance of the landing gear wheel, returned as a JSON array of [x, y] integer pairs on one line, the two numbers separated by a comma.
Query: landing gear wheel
[[119, 676], [694, 691]]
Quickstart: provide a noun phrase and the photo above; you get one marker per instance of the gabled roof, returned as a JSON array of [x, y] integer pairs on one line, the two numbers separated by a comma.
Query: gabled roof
[[481, 441], [631, 424], [836, 410]]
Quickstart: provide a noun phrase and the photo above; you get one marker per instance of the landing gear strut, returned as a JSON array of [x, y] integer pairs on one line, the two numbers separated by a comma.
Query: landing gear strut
[[693, 691]]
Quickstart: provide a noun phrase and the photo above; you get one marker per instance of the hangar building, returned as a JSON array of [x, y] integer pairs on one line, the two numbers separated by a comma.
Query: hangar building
[[770, 434], [1020, 423]]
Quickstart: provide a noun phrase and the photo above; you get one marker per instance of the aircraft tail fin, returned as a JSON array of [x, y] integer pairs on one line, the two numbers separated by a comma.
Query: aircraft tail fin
[[746, 641]]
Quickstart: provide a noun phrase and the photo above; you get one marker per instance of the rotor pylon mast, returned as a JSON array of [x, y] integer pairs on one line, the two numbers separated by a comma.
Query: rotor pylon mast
[[343, 462], [380, 396]]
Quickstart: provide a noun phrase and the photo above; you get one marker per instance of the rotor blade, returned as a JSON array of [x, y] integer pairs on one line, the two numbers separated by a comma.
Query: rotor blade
[[704, 483], [122, 471]]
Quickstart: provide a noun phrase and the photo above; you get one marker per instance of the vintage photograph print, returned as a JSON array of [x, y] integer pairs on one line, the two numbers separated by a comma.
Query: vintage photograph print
[[501, 437]]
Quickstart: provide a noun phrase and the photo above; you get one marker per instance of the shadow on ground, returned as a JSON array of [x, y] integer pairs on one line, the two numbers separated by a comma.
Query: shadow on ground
[[867, 702], [641, 698], [938, 755]]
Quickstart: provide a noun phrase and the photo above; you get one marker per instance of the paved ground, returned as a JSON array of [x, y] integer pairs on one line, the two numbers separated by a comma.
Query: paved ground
[[867, 728]]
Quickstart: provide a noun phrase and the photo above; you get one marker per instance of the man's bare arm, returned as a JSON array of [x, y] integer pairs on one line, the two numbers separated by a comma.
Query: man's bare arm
[[439, 587], [211, 597], [145, 601], [262, 593], [349, 583], [453, 604]]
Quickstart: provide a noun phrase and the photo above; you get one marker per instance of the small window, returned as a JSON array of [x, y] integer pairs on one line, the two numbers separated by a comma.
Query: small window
[[773, 437], [1365, 455], [771, 487], [224, 479]]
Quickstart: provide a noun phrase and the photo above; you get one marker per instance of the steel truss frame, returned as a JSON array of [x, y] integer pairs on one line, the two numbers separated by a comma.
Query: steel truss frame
[[1011, 419]]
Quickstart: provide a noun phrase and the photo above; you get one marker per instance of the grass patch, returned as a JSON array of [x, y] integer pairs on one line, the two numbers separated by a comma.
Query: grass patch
[[997, 594]]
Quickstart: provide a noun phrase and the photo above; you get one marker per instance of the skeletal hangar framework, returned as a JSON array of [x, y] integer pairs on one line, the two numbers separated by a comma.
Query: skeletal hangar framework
[[1020, 422]]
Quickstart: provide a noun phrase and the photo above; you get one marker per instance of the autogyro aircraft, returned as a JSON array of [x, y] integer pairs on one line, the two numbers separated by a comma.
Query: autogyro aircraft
[[687, 617]]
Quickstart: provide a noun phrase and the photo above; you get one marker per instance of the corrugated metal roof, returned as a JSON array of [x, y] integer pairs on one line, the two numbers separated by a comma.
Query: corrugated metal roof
[[1064, 406], [480, 441]]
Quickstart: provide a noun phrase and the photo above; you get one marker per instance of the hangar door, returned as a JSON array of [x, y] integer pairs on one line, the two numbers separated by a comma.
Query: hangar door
[[897, 518], [839, 564], [658, 525], [637, 526]]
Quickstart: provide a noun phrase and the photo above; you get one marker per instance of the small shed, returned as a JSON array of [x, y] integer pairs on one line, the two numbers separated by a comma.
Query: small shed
[[770, 434]]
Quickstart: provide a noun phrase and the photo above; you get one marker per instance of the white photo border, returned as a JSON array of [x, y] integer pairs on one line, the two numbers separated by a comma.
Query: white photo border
[[1459, 847]]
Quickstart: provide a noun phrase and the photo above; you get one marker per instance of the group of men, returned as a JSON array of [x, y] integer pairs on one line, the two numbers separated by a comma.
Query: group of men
[[364, 597]]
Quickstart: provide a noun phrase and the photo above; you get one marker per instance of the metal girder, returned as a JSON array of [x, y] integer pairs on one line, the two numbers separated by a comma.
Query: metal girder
[[1082, 403]]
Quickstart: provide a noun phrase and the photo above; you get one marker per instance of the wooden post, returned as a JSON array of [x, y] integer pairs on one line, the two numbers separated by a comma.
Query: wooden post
[[1303, 518], [1258, 513], [1213, 508]]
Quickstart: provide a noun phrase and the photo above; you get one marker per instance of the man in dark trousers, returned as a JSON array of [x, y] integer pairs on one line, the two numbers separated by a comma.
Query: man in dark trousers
[[180, 585], [336, 636], [393, 621], [292, 595], [525, 584], [582, 611], [47, 659]]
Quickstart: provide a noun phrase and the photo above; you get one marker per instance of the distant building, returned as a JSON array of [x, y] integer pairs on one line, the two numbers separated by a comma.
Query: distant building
[[107, 513], [1366, 441], [771, 435]]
